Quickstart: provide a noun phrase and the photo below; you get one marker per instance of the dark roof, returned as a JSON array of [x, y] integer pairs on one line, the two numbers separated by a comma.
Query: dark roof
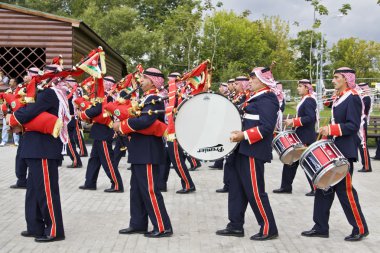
[[74, 23]]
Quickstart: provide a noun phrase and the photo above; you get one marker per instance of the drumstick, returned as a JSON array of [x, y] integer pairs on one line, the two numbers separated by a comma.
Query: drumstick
[[287, 117], [319, 135]]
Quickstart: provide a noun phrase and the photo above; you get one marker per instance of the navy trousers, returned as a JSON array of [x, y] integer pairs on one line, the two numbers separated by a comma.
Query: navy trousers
[[71, 148], [43, 212], [146, 200], [349, 201], [218, 163], [178, 160], [364, 154], [164, 170], [21, 167], [79, 140], [193, 162], [121, 142], [247, 185], [288, 175], [102, 155]]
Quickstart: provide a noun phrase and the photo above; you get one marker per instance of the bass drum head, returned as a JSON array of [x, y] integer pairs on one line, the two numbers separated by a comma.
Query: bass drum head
[[203, 126]]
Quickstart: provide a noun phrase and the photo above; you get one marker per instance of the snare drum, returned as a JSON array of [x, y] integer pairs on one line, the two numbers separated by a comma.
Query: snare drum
[[203, 126], [324, 164], [288, 146]]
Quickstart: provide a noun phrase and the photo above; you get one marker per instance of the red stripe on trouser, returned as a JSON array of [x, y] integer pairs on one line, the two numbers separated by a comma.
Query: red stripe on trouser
[[79, 139], [194, 162], [72, 153], [353, 205], [257, 195], [110, 166], [179, 165], [153, 198], [49, 199]]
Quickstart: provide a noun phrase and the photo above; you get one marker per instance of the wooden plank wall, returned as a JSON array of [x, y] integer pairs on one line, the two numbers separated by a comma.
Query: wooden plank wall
[[23, 30]]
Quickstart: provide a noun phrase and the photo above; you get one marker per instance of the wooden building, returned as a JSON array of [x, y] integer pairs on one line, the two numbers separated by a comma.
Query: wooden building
[[30, 38]]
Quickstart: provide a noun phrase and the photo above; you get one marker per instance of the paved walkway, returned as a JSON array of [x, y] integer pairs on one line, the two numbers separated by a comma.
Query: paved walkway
[[92, 218]]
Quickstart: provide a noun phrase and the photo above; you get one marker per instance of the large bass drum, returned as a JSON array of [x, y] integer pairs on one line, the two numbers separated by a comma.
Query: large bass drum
[[203, 125]]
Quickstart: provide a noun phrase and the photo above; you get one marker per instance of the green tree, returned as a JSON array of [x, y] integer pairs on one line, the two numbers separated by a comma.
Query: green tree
[[275, 32], [233, 43], [301, 50], [361, 55]]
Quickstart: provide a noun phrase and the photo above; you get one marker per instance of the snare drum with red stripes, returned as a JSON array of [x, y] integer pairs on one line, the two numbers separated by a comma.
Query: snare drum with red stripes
[[288, 146], [324, 164]]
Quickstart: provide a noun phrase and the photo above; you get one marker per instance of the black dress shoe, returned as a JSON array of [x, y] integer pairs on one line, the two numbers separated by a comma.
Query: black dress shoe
[[16, 186], [194, 168], [314, 233], [310, 194], [282, 190], [223, 190], [28, 234], [72, 166], [185, 191], [110, 190], [157, 234], [131, 230], [47, 238], [261, 237], [231, 232], [82, 187], [363, 170], [355, 237], [215, 167]]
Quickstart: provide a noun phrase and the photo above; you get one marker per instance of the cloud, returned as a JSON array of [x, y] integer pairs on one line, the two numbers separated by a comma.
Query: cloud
[[362, 21]]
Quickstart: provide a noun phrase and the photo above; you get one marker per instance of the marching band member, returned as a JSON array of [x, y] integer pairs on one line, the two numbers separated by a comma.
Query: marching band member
[[71, 127], [176, 154], [364, 154], [304, 125], [101, 152], [42, 153], [146, 153], [344, 128], [241, 84], [247, 178], [21, 166], [78, 135]]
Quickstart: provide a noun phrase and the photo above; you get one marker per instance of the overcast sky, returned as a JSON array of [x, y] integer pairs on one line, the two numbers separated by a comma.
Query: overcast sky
[[363, 21]]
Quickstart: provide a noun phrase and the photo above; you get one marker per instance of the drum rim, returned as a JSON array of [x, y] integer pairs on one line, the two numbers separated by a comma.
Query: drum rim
[[280, 134], [328, 168], [311, 147], [241, 123]]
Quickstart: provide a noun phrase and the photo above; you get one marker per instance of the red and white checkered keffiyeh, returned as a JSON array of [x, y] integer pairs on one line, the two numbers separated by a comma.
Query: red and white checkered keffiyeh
[[350, 77], [63, 111], [157, 81], [108, 82], [33, 71], [307, 83], [265, 75], [243, 81]]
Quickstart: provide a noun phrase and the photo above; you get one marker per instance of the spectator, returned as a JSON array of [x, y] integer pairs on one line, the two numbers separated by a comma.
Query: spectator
[[3, 78]]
